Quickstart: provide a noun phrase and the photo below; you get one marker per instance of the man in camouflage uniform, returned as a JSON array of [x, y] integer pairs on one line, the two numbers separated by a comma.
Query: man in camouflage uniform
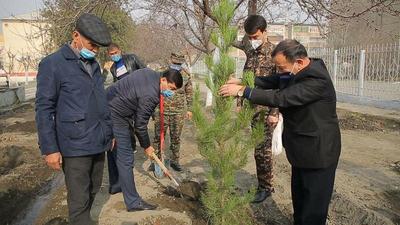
[[258, 52], [176, 109]]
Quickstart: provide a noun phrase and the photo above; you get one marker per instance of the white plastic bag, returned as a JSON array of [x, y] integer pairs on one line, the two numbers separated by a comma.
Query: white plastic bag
[[277, 137]]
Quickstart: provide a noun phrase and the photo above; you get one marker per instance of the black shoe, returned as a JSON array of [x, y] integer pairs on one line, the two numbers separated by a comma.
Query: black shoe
[[261, 195], [114, 191], [143, 206], [176, 166], [151, 167]]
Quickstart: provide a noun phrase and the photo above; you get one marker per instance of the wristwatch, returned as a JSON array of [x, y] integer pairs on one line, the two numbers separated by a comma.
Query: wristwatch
[[241, 92]]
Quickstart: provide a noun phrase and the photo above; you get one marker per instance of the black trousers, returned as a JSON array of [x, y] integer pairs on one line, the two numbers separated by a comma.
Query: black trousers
[[83, 177], [311, 194]]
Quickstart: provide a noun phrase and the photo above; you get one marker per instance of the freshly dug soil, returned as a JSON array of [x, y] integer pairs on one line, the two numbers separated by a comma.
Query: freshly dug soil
[[185, 199], [10, 158], [23, 173], [358, 121]]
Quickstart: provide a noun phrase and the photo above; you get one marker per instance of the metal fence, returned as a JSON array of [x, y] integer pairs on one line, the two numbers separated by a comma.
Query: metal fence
[[370, 72], [365, 71]]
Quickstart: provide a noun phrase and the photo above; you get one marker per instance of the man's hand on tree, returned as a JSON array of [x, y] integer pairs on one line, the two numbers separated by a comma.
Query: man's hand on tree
[[54, 160], [230, 89]]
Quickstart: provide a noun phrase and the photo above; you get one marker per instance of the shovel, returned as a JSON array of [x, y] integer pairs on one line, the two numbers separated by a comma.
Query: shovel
[[163, 168], [158, 171]]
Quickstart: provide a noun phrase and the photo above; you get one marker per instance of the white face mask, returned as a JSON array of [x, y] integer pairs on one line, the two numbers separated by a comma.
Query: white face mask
[[256, 43]]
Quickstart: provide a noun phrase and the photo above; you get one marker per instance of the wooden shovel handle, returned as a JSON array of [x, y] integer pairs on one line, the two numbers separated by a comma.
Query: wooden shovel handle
[[164, 169]]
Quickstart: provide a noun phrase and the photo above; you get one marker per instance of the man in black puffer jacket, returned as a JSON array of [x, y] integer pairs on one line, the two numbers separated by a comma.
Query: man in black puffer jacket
[[123, 63], [135, 98]]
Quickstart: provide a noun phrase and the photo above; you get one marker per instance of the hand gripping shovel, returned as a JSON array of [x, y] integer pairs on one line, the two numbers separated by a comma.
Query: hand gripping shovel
[[158, 171], [163, 169]]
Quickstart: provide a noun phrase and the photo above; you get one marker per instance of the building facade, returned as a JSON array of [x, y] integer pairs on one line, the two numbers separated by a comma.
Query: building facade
[[23, 43]]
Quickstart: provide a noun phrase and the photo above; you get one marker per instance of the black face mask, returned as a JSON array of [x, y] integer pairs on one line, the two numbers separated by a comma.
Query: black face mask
[[284, 79]]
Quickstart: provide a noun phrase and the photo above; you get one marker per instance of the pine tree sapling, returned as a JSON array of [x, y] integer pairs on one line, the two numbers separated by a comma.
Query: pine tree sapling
[[224, 138]]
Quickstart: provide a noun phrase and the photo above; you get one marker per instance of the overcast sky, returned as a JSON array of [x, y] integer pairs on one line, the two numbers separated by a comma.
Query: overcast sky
[[15, 7]]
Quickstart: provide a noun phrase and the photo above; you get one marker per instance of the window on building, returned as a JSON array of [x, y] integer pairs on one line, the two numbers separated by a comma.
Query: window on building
[[314, 29], [302, 29]]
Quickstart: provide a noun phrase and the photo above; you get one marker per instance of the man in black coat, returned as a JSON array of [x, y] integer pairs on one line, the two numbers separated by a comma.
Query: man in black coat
[[135, 98], [123, 64], [311, 133]]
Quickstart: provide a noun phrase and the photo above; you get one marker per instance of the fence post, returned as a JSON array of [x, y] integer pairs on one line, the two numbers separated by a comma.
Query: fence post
[[361, 71], [335, 66]]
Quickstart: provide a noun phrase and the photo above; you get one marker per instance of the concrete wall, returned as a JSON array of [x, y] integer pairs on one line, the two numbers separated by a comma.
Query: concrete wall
[[12, 96]]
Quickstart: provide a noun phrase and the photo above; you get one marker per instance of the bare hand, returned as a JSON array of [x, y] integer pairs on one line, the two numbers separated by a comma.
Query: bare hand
[[272, 120], [189, 115], [54, 160], [229, 90], [233, 80], [149, 152]]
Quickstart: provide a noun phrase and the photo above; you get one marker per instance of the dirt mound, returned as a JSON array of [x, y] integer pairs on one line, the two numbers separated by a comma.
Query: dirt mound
[[10, 158], [57, 221], [344, 211], [358, 121], [189, 204], [161, 220], [190, 190], [22, 176], [24, 127]]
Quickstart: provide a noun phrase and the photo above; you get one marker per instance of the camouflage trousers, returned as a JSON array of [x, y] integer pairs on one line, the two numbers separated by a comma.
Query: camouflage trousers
[[173, 124], [263, 155]]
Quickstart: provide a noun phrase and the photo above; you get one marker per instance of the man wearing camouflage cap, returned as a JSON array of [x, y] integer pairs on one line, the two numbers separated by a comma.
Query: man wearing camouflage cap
[[176, 109], [72, 115]]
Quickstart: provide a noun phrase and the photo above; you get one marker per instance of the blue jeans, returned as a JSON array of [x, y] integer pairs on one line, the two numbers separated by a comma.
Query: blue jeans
[[125, 160]]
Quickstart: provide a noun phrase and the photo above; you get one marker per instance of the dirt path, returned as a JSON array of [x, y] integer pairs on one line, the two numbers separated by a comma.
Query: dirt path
[[367, 189]]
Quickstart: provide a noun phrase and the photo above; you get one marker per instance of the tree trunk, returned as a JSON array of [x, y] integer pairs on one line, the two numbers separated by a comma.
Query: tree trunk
[[252, 7]]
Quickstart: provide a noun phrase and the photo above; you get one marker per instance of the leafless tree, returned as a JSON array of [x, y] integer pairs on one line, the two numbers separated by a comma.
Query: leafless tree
[[9, 65]]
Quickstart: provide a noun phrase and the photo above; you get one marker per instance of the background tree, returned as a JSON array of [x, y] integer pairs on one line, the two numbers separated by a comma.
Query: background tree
[[61, 15], [223, 137]]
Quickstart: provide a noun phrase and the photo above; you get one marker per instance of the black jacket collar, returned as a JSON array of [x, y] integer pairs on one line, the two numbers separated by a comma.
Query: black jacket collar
[[316, 66]]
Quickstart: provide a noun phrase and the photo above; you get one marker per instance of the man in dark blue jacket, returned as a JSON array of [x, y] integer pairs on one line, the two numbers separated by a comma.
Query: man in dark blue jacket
[[311, 134], [135, 98], [123, 65], [73, 120]]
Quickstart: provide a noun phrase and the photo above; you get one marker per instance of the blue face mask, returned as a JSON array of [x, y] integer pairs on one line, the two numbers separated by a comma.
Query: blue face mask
[[116, 57], [86, 53], [176, 67], [167, 93]]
